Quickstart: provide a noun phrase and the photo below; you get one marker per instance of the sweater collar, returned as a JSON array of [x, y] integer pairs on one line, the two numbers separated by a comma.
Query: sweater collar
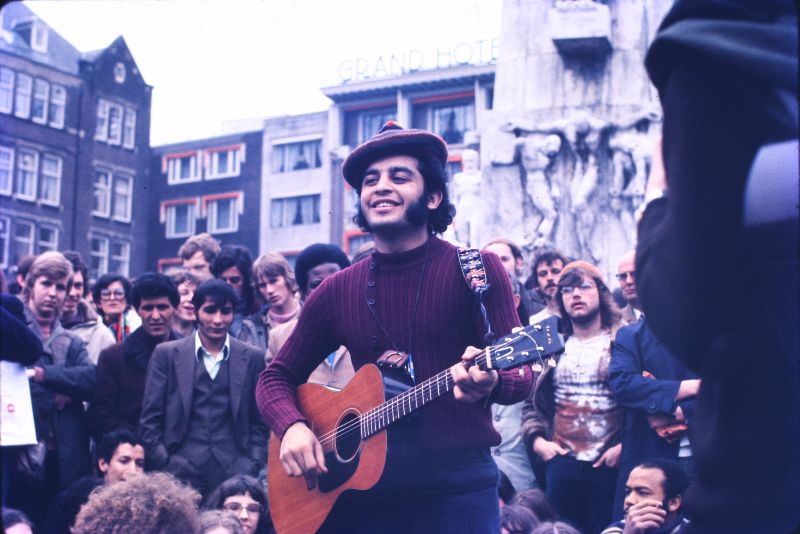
[[409, 258]]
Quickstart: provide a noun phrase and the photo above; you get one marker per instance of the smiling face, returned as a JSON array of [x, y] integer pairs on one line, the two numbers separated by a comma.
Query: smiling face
[[185, 309], [393, 197], [74, 295], [47, 296]]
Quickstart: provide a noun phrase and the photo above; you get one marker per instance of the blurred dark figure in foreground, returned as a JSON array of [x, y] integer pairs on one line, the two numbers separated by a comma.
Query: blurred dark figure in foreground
[[718, 289]]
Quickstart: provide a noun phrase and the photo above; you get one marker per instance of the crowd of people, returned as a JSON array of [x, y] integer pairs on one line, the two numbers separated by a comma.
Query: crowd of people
[[155, 398]]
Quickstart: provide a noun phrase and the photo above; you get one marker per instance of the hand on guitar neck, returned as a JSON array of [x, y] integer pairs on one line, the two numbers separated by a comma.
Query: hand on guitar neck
[[302, 454], [472, 384]]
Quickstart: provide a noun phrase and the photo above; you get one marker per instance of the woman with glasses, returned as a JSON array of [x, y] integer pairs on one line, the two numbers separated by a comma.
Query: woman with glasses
[[245, 498], [112, 294]]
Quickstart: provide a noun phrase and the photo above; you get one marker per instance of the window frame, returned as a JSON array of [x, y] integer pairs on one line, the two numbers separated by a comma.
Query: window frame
[[7, 88], [103, 255], [169, 218], [118, 178], [171, 165], [23, 94], [124, 260], [107, 187], [32, 237], [115, 137], [9, 190], [42, 174], [281, 151], [42, 98], [129, 128], [58, 106], [212, 213], [51, 245], [5, 240], [298, 199], [212, 162], [19, 170]]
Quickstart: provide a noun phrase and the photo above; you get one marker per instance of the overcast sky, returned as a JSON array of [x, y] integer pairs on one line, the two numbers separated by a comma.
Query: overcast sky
[[215, 61]]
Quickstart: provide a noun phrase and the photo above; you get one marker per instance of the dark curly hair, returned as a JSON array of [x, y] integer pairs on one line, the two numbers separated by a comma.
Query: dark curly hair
[[435, 177], [155, 503], [237, 256]]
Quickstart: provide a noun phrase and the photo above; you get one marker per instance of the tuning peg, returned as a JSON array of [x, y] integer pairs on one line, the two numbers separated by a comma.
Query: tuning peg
[[536, 367], [517, 329]]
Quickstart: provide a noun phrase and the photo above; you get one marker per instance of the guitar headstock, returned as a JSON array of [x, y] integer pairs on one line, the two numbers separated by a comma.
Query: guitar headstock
[[527, 344]]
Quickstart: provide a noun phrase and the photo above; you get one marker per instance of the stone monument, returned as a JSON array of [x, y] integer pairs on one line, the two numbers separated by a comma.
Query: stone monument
[[566, 148]]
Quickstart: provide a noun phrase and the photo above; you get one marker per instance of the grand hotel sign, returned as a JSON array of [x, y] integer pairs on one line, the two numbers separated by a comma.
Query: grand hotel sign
[[478, 52]]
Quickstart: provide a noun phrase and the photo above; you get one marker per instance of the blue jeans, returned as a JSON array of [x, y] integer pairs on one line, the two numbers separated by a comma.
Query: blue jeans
[[582, 494], [423, 491]]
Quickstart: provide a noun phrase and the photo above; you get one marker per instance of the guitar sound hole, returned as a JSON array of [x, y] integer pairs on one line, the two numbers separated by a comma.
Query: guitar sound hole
[[348, 437]]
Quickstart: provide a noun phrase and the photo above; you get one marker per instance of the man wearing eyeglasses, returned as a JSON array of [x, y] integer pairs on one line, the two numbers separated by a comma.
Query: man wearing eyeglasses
[[626, 276], [572, 421]]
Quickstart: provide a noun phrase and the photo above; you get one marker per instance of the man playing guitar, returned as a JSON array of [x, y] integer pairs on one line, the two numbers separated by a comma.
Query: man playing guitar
[[409, 296]]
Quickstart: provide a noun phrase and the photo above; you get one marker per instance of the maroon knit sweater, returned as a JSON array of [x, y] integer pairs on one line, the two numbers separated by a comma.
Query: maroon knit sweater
[[447, 321]]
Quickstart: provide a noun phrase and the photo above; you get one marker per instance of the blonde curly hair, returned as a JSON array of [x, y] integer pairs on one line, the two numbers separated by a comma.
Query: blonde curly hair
[[153, 503]]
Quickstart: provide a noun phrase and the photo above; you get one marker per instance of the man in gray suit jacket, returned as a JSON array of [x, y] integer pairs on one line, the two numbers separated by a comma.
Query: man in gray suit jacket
[[199, 419]]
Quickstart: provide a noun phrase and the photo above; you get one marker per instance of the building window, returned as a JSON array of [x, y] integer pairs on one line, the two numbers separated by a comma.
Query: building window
[[182, 168], [114, 124], [296, 156], [102, 193], [224, 162], [23, 240], [50, 191], [223, 215], [22, 102], [41, 99], [39, 36], [123, 196], [180, 219], [4, 228], [98, 256], [120, 260], [27, 164], [370, 122], [101, 125], [129, 128], [48, 239], [451, 119], [58, 104], [294, 211], [6, 169], [6, 90]]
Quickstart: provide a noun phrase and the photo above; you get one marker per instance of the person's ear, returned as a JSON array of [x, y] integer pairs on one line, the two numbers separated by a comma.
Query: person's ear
[[674, 504], [434, 199], [102, 465]]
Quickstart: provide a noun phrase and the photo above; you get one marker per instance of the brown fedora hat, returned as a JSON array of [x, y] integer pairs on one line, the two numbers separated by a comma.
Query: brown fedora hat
[[392, 139]]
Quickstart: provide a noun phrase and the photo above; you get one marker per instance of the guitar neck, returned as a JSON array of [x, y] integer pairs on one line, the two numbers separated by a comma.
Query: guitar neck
[[409, 401]]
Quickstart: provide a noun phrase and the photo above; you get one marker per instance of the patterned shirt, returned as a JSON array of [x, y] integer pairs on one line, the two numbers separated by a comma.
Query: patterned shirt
[[587, 419]]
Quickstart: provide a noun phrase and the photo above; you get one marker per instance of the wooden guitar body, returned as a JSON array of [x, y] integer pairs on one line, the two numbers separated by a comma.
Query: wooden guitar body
[[352, 464]]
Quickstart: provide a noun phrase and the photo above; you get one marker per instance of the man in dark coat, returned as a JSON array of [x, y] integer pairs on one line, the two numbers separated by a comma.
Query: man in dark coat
[[122, 368], [199, 418]]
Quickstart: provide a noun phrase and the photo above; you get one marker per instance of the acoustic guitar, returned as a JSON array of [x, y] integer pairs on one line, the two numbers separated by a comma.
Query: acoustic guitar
[[351, 427]]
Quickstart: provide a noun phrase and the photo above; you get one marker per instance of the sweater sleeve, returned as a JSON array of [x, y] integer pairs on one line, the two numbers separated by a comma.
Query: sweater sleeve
[[311, 340], [515, 384]]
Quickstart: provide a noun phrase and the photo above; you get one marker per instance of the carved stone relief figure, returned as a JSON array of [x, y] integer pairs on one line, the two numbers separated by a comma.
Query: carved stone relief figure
[[467, 199], [538, 156]]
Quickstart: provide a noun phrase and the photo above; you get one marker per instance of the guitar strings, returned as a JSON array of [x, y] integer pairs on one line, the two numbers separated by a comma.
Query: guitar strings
[[376, 415]]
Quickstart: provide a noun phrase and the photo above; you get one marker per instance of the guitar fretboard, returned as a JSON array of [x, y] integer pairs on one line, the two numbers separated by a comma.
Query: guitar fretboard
[[409, 401]]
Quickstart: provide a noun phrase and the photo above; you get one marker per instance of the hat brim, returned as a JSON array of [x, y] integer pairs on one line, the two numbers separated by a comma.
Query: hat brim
[[416, 143]]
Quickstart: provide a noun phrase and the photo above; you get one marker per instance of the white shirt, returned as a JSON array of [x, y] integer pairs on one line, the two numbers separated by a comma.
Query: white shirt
[[212, 363]]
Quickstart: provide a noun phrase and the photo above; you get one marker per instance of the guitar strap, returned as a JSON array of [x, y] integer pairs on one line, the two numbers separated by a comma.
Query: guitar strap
[[474, 272]]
